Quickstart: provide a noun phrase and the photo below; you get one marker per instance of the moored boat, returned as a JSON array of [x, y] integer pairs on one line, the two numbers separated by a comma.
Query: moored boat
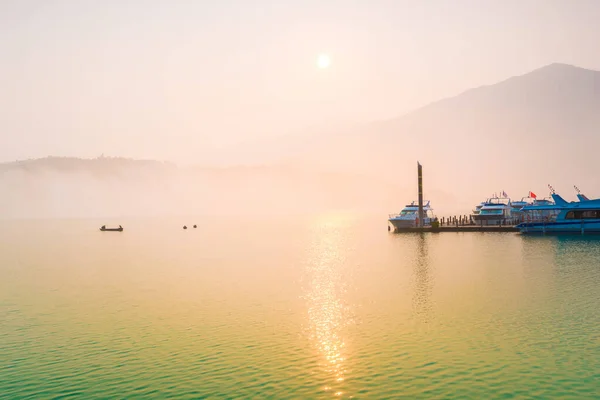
[[103, 228], [562, 217], [531, 200], [494, 211], [409, 216]]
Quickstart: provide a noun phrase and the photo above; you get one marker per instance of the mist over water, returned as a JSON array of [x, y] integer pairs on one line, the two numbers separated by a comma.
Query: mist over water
[[122, 188]]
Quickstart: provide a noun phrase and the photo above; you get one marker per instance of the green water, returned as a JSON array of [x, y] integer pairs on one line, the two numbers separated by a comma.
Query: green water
[[331, 306]]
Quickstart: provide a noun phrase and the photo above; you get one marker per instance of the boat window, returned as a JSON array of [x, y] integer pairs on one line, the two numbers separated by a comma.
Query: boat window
[[491, 212], [583, 214]]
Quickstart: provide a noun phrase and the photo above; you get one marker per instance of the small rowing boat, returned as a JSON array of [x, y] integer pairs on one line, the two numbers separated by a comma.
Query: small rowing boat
[[103, 228]]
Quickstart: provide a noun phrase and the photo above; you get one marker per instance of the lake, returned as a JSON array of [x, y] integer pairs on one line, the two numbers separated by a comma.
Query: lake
[[324, 306]]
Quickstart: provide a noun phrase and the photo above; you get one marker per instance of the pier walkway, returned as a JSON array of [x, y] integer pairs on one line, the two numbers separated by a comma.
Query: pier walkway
[[459, 228]]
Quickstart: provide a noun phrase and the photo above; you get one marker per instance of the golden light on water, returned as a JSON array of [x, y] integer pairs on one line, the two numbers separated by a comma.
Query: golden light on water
[[324, 288]]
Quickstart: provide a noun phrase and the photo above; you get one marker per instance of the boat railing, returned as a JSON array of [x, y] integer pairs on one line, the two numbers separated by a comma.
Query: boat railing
[[411, 215], [527, 217], [396, 215]]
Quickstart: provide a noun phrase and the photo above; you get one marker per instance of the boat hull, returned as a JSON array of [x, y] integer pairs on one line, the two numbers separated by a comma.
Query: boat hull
[[560, 227], [407, 223]]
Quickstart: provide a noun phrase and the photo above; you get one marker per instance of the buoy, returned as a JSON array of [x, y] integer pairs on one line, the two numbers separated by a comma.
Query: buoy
[[184, 227]]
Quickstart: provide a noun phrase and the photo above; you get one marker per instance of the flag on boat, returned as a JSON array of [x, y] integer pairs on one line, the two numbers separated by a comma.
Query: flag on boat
[[532, 195], [504, 194]]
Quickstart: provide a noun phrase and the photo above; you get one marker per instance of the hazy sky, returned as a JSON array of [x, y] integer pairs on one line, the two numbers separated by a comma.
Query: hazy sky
[[175, 79]]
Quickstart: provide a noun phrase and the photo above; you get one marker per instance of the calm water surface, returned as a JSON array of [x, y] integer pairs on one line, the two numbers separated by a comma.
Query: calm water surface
[[331, 306]]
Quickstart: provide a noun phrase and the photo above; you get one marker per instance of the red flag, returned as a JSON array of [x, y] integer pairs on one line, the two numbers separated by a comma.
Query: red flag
[[532, 195]]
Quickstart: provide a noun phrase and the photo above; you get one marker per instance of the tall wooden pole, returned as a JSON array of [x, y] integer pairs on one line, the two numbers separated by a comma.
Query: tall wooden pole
[[420, 173]]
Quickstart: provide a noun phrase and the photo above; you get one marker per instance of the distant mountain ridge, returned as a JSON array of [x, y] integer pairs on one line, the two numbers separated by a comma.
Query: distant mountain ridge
[[75, 163], [536, 80]]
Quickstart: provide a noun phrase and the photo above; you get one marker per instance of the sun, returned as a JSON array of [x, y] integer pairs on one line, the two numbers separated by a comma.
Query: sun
[[323, 61]]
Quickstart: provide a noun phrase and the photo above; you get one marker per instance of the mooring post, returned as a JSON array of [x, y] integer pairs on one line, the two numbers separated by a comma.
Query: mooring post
[[420, 182]]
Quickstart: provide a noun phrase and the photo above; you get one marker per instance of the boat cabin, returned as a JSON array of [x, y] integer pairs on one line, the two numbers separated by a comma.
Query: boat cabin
[[562, 217], [409, 216]]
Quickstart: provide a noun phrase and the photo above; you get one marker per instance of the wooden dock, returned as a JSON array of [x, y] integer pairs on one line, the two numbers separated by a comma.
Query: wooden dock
[[459, 228]]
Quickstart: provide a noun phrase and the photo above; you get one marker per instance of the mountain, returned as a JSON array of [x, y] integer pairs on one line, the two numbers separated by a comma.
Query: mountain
[[517, 135]]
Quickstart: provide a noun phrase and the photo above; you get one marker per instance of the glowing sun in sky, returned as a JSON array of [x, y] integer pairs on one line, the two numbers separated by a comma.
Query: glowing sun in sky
[[323, 61]]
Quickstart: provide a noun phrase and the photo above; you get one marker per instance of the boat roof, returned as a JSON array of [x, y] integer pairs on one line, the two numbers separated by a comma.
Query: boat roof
[[497, 204], [536, 201], [414, 206], [497, 199], [584, 204], [560, 203]]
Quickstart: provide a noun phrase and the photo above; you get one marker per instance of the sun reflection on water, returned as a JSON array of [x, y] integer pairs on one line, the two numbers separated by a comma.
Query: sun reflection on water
[[324, 287]]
